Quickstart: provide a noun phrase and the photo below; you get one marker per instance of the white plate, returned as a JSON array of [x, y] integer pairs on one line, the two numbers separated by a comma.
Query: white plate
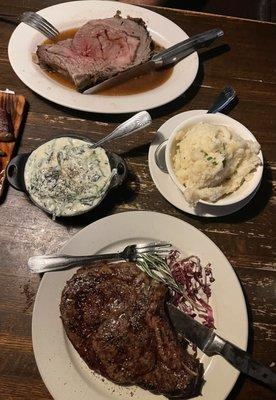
[[25, 39], [167, 187], [66, 376]]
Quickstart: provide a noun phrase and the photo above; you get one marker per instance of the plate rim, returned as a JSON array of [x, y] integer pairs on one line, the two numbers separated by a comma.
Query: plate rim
[[128, 108], [242, 302]]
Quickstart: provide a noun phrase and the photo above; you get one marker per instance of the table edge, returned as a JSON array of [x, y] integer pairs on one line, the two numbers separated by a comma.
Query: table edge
[[194, 13]]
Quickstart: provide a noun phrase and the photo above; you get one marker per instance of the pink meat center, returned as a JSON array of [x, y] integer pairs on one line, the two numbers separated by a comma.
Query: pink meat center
[[108, 45]]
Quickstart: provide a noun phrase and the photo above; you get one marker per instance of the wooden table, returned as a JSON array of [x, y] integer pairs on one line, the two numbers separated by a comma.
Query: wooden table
[[246, 237]]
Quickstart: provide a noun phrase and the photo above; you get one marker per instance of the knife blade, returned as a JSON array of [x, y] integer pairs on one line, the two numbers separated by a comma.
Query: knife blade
[[167, 57], [212, 344]]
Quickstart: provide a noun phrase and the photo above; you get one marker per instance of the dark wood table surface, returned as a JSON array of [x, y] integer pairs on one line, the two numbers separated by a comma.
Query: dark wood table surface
[[246, 59]]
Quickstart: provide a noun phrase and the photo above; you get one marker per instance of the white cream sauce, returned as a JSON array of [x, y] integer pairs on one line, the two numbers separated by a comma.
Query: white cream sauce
[[67, 176]]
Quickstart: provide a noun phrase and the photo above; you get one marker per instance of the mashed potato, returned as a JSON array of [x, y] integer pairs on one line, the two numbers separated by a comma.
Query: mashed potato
[[211, 161]]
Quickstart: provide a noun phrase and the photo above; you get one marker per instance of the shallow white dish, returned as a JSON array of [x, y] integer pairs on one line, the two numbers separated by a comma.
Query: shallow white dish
[[66, 376], [25, 39], [248, 187], [167, 187]]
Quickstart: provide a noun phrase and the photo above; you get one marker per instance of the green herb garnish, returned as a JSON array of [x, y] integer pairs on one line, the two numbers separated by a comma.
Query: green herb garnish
[[158, 269]]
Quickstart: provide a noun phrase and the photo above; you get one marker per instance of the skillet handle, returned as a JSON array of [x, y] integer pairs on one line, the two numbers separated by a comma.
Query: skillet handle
[[119, 164], [15, 171]]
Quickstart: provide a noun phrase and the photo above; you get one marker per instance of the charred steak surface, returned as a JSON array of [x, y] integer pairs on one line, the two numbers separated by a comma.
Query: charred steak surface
[[99, 50], [115, 318]]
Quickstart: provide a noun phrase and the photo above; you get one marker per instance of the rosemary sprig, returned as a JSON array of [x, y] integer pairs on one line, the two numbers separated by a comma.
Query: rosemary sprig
[[157, 268]]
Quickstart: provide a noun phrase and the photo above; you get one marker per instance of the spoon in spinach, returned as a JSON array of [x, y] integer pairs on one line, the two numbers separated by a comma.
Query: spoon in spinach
[[137, 122]]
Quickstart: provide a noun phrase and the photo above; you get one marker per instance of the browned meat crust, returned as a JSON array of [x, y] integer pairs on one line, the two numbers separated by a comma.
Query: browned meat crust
[[114, 316]]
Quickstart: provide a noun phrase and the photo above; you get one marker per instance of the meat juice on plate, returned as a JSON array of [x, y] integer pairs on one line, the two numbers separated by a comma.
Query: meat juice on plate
[[135, 85]]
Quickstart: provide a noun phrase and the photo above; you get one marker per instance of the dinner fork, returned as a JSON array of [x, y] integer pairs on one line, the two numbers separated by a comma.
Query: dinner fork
[[39, 23], [56, 262]]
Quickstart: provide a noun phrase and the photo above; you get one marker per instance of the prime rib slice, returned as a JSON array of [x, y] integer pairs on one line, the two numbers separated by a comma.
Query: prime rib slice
[[115, 318], [99, 50]]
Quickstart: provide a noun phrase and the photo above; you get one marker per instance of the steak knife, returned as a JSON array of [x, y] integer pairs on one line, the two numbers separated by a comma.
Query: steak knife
[[212, 344], [165, 58]]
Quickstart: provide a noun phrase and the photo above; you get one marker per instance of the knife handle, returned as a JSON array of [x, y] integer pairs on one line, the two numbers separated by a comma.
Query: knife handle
[[181, 50], [243, 362]]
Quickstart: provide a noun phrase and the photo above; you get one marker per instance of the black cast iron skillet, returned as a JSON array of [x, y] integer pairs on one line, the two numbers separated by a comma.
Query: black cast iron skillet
[[16, 170]]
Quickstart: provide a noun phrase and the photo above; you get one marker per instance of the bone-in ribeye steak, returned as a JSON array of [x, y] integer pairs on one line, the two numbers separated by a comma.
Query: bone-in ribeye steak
[[115, 318], [99, 50]]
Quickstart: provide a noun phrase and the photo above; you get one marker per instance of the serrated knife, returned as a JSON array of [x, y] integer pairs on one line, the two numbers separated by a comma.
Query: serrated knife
[[212, 344], [167, 57]]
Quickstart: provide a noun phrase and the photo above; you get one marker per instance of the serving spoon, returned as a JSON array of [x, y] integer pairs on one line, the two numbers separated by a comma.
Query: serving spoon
[[223, 100], [137, 122]]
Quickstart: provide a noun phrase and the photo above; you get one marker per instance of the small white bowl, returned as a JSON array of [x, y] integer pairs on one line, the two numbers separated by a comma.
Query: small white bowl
[[247, 187]]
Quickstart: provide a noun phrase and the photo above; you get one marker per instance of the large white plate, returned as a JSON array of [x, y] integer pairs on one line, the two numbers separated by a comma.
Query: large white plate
[[170, 191], [66, 376], [25, 39]]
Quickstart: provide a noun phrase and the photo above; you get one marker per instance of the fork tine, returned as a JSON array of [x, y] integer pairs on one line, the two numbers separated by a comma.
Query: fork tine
[[39, 18], [45, 23], [40, 25], [159, 252], [157, 248], [39, 28], [153, 244], [36, 21], [154, 250]]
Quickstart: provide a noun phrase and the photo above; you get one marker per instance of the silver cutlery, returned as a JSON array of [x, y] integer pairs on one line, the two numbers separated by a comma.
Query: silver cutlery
[[39, 23], [167, 57], [135, 123], [223, 100], [212, 344], [56, 262]]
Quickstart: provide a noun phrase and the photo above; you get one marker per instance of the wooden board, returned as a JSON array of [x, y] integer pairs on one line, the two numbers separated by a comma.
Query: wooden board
[[15, 105]]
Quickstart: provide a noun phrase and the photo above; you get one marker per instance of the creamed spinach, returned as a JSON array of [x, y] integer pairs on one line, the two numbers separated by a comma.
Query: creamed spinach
[[67, 176]]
